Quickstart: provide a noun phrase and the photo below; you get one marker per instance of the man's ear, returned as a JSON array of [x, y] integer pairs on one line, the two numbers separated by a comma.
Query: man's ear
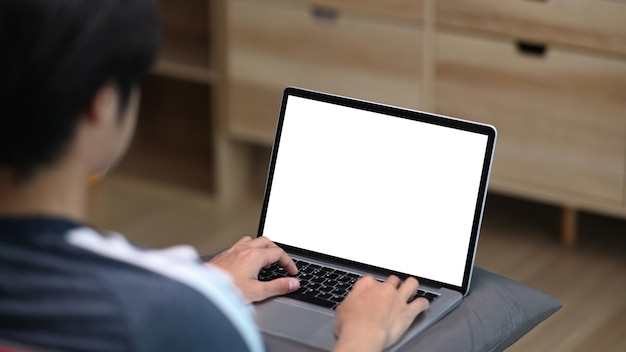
[[104, 105]]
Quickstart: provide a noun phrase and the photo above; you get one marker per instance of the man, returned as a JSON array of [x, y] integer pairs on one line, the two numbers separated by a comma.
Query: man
[[68, 104]]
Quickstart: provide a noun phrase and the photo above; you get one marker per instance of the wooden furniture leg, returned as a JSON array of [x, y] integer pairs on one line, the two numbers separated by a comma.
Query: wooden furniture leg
[[569, 226]]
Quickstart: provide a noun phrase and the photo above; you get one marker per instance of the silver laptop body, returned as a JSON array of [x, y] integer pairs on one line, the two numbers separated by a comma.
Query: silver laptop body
[[365, 188]]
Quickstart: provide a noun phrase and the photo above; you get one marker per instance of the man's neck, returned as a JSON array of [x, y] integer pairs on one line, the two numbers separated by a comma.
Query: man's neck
[[59, 191]]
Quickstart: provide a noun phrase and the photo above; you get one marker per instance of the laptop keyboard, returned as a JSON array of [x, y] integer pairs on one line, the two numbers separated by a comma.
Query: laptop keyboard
[[321, 285]]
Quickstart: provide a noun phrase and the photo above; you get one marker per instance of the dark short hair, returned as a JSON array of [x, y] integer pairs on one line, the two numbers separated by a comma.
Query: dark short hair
[[54, 56]]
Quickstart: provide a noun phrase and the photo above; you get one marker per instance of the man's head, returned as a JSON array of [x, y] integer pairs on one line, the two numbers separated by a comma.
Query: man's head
[[62, 63]]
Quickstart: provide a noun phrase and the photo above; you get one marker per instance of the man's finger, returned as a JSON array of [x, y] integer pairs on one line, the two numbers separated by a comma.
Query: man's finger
[[278, 287], [244, 239], [408, 288], [418, 305], [276, 254], [262, 242], [394, 281], [366, 281], [269, 256], [286, 262]]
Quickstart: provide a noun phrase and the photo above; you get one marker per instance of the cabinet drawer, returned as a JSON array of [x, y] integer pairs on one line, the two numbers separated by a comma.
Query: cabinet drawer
[[561, 117], [272, 46], [599, 25]]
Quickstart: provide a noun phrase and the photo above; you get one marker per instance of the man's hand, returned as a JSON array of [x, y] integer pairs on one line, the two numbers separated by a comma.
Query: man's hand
[[244, 260], [376, 314]]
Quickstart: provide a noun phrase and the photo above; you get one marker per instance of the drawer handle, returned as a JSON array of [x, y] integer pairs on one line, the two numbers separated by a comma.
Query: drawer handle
[[531, 49], [324, 14]]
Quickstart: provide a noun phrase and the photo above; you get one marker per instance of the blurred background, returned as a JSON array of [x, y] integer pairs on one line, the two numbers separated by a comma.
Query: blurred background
[[550, 75]]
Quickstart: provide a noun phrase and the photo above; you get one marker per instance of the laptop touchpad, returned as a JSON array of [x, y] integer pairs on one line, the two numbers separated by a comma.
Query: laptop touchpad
[[291, 320]]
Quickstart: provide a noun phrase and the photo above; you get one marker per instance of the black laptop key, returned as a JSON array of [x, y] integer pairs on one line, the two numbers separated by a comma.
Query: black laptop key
[[340, 273], [315, 266], [318, 279], [301, 265], [343, 285], [331, 276], [302, 290], [313, 291], [331, 283], [353, 276], [304, 276], [339, 291], [344, 279], [325, 295], [314, 285], [322, 272], [312, 299], [325, 288], [430, 296], [307, 269], [337, 298]]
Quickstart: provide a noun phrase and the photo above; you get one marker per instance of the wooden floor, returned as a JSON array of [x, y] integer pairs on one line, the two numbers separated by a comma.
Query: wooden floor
[[518, 240]]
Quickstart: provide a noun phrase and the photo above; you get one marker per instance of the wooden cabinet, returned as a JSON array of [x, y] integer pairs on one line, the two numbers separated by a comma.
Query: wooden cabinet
[[550, 75]]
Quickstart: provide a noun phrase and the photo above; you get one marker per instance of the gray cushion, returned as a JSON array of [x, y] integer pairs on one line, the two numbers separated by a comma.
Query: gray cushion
[[496, 313]]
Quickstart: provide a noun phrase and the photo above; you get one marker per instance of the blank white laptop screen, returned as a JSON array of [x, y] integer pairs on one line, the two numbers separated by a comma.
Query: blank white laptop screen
[[385, 191]]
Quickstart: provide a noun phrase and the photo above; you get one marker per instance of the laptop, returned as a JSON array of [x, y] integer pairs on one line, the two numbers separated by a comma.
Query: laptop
[[356, 188]]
